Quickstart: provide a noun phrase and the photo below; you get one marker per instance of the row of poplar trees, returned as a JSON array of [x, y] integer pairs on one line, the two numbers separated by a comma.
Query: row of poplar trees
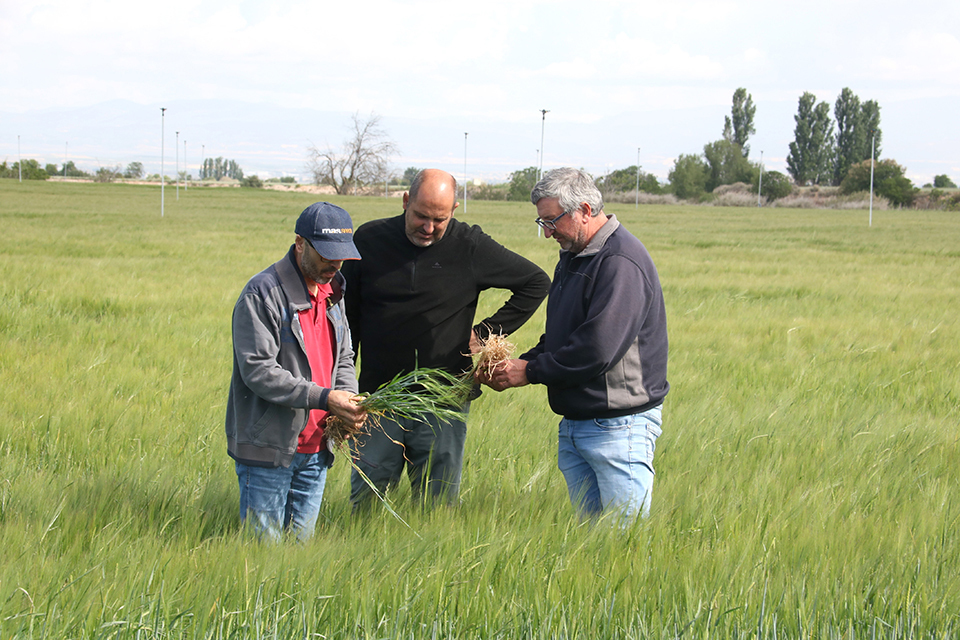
[[823, 155], [217, 168]]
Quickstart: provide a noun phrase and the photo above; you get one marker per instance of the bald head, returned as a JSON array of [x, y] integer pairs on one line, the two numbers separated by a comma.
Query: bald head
[[429, 205], [434, 180]]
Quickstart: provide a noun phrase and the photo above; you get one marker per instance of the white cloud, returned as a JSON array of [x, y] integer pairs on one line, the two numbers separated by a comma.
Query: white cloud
[[576, 69], [645, 59], [920, 56]]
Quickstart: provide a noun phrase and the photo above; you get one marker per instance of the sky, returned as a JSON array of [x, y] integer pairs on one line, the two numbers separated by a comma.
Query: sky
[[263, 82]]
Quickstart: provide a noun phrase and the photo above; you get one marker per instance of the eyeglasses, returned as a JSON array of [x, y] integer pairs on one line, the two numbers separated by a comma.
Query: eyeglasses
[[550, 224]]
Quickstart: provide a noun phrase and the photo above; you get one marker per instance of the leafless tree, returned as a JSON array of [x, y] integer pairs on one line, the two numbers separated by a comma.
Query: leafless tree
[[107, 174], [362, 160]]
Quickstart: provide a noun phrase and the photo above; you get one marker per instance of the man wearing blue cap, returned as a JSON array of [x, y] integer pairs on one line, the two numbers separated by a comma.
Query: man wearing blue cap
[[292, 367]]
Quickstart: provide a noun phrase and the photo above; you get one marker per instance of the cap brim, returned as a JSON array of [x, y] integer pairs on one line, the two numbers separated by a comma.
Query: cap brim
[[336, 250]]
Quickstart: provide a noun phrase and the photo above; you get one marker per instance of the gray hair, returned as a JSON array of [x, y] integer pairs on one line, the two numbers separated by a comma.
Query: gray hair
[[418, 180], [572, 187]]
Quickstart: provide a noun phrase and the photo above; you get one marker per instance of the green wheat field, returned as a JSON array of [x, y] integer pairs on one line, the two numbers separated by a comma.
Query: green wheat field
[[808, 476]]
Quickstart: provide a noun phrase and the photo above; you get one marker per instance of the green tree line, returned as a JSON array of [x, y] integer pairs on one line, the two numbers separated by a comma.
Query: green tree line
[[217, 168], [824, 149]]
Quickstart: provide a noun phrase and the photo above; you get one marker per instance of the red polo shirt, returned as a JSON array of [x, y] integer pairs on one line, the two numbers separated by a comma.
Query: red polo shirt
[[319, 341]]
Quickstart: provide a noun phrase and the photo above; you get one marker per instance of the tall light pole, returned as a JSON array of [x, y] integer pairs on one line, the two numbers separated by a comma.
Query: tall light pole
[[873, 142], [177, 171], [203, 161], [464, 171], [760, 182], [19, 160], [185, 185], [66, 146], [543, 124], [636, 204], [162, 114]]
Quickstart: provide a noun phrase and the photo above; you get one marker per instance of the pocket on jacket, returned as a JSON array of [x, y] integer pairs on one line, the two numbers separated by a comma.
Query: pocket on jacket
[[265, 420]]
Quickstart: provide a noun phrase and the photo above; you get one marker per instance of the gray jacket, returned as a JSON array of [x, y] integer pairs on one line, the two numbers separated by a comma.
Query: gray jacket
[[271, 392]]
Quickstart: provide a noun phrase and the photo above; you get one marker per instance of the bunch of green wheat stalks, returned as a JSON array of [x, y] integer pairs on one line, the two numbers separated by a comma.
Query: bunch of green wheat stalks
[[423, 391]]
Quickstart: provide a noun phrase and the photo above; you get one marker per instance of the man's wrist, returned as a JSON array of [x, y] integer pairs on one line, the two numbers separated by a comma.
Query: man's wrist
[[529, 371]]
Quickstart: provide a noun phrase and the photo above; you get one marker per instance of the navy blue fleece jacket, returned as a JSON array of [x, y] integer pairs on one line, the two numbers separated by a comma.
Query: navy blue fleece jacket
[[604, 351]]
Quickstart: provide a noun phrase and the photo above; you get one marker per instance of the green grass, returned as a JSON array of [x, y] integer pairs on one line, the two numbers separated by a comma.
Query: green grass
[[807, 477]]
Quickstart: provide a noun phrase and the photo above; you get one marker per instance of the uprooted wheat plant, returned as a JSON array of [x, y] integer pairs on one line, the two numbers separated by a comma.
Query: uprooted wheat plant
[[423, 391], [495, 349]]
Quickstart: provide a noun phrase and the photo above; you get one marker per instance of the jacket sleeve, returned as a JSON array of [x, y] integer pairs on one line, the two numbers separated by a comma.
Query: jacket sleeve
[[346, 376], [351, 272], [256, 347], [617, 307], [534, 351], [497, 267]]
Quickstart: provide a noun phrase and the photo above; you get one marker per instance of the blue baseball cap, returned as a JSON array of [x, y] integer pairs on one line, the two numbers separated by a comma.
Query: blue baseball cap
[[329, 229]]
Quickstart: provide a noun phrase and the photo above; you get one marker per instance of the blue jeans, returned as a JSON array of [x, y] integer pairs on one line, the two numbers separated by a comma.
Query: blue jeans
[[608, 462], [281, 498]]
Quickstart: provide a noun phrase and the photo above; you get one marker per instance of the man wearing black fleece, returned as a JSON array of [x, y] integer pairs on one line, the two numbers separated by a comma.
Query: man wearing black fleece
[[411, 303]]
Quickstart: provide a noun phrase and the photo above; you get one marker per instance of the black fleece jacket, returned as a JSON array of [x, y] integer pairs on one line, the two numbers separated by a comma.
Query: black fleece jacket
[[412, 306]]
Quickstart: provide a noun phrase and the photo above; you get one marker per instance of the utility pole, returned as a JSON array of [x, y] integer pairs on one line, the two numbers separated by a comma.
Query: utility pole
[[19, 160], [464, 171], [873, 142], [163, 113], [543, 124], [185, 183], [636, 204], [760, 183], [178, 165]]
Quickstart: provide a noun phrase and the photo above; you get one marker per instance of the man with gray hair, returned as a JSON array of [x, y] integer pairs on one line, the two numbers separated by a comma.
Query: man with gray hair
[[603, 355]]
